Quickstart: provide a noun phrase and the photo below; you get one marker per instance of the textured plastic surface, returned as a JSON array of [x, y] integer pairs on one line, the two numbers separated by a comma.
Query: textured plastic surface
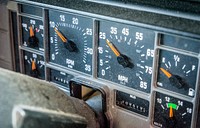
[[172, 22]]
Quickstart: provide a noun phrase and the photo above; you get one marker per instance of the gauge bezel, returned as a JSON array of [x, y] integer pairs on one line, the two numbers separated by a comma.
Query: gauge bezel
[[174, 97], [41, 46], [150, 60], [185, 54], [80, 55]]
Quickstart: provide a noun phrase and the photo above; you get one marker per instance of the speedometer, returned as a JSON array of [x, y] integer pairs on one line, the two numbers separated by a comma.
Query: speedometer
[[125, 55]]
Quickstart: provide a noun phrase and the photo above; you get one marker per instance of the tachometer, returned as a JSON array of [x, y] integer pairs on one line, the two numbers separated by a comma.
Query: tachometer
[[71, 41]]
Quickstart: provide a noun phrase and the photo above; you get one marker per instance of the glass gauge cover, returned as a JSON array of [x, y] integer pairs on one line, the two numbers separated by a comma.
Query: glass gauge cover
[[171, 112], [125, 55], [177, 72], [34, 65], [71, 38], [32, 33]]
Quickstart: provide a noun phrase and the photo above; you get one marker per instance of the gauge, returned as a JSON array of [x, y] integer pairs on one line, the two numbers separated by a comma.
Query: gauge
[[132, 103], [71, 39], [177, 72], [171, 112], [125, 55], [60, 78], [32, 33], [34, 65]]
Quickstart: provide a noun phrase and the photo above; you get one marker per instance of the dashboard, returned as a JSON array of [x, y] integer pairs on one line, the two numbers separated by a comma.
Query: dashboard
[[142, 57]]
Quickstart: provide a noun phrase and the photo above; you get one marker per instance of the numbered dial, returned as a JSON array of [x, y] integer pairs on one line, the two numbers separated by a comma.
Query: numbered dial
[[71, 41], [125, 55], [32, 33], [171, 112], [177, 72], [34, 65]]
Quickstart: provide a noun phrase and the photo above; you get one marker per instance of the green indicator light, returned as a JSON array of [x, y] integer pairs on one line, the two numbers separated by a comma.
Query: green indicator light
[[174, 106]]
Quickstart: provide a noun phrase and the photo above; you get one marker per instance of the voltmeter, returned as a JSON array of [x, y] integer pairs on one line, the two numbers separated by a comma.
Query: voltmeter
[[71, 39], [171, 112], [32, 33], [125, 55]]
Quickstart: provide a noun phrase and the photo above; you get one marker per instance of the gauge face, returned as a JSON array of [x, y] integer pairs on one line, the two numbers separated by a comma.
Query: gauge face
[[71, 39], [34, 65], [32, 33], [171, 112], [60, 78], [125, 55], [177, 72], [132, 103]]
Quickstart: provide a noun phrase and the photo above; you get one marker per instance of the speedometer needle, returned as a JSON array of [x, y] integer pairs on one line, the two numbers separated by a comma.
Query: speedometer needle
[[112, 47], [70, 45], [122, 59], [175, 80]]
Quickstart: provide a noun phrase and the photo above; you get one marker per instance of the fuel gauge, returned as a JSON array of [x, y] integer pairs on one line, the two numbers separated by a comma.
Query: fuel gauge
[[177, 72], [34, 65], [32, 33]]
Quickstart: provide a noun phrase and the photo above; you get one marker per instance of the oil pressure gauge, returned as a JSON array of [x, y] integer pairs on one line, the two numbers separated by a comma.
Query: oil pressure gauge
[[34, 65], [125, 55], [32, 33], [71, 41], [177, 72]]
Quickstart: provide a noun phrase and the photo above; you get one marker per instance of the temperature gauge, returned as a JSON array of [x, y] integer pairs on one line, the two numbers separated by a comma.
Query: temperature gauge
[[126, 55], [34, 65], [32, 33], [71, 38], [171, 112], [177, 72]]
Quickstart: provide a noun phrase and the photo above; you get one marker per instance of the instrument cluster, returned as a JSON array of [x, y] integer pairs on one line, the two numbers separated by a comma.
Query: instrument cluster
[[151, 73]]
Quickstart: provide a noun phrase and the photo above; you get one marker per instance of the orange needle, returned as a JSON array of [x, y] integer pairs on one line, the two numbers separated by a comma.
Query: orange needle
[[166, 72], [112, 47], [171, 112], [31, 31], [64, 40], [33, 65]]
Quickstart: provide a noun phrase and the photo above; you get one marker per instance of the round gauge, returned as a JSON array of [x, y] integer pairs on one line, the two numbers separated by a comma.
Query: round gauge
[[177, 72], [125, 55], [34, 65], [171, 112], [32, 33], [71, 38]]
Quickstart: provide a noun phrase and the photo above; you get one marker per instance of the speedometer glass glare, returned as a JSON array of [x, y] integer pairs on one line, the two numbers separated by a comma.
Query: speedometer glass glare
[[125, 55], [71, 41]]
